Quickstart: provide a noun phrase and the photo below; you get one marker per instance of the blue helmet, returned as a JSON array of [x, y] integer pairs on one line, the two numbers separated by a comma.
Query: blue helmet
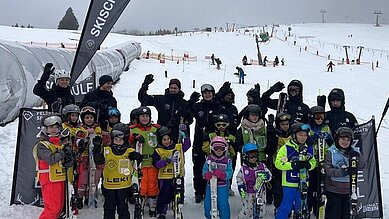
[[249, 147], [112, 111]]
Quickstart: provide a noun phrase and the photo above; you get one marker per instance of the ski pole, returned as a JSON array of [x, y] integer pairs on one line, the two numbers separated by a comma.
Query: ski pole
[[383, 115]]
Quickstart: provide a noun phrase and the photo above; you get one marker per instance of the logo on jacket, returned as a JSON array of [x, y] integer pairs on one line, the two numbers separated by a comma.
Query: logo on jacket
[[200, 113], [167, 106]]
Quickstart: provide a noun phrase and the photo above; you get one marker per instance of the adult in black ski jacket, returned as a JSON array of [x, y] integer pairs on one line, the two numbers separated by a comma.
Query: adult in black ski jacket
[[171, 106], [59, 95], [294, 105], [338, 116], [226, 97], [205, 113], [101, 99]]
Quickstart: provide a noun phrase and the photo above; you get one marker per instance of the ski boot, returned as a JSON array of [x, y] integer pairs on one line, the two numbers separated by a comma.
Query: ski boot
[[80, 205], [231, 192], [198, 198], [161, 216]]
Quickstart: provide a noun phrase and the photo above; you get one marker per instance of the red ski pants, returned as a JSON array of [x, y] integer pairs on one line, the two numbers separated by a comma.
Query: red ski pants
[[53, 198]]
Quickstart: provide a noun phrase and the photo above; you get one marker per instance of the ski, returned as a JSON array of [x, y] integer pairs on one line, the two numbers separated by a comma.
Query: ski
[[92, 172], [135, 187], [321, 197], [353, 188], [178, 201], [321, 101], [213, 185], [260, 197], [281, 102], [303, 212]]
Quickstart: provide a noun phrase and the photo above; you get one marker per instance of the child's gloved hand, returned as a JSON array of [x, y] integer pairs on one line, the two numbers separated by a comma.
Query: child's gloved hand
[[207, 176], [242, 191], [262, 176], [219, 174]]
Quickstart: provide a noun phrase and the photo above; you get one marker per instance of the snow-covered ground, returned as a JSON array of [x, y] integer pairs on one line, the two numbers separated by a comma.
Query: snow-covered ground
[[366, 89]]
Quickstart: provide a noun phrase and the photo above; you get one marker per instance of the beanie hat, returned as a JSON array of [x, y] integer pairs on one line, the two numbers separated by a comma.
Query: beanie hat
[[176, 82], [104, 79]]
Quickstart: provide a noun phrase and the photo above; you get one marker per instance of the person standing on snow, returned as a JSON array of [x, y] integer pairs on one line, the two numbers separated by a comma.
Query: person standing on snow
[[218, 63], [101, 99], [338, 116], [241, 74], [205, 113], [59, 95], [294, 105], [171, 106], [330, 65], [213, 59]]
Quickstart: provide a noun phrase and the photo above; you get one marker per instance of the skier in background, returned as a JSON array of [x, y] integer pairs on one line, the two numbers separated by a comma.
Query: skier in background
[[223, 173], [244, 60], [241, 74], [218, 63], [337, 173], [330, 66], [213, 59]]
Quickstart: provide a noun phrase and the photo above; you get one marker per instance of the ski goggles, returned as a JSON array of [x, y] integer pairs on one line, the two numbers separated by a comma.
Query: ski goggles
[[207, 87], [345, 133], [219, 148], [221, 124], [117, 133], [304, 128], [52, 120], [319, 116], [65, 133], [88, 109], [285, 117]]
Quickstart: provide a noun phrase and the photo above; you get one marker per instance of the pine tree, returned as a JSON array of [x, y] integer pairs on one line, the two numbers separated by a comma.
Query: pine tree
[[69, 21]]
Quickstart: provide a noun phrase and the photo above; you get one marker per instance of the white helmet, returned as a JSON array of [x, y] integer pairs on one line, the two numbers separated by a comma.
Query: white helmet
[[61, 74]]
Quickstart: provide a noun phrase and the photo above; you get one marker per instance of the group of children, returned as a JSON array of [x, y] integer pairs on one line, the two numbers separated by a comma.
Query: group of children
[[117, 147]]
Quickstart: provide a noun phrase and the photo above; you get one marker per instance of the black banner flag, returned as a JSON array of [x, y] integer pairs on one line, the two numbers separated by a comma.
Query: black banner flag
[[25, 186], [100, 18], [369, 185]]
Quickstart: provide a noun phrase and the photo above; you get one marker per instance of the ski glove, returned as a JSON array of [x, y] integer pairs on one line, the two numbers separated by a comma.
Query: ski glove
[[219, 174], [81, 145], [97, 141], [47, 71], [68, 162], [148, 80], [277, 87], [171, 159], [262, 176], [242, 191], [353, 153], [297, 165], [207, 176], [182, 127], [182, 134], [135, 156], [194, 97], [139, 138], [350, 171], [225, 88], [68, 150], [161, 164]]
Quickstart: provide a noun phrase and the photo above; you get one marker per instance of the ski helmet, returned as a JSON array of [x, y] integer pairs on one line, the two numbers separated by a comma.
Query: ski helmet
[[207, 87], [162, 131], [219, 142], [298, 126], [222, 120], [87, 110], [134, 115], [51, 119], [253, 109], [249, 147], [120, 130], [316, 109], [61, 74], [71, 108], [144, 110], [344, 132], [112, 111], [282, 117]]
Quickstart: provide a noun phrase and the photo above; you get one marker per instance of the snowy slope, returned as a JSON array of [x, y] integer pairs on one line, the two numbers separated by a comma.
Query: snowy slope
[[366, 90]]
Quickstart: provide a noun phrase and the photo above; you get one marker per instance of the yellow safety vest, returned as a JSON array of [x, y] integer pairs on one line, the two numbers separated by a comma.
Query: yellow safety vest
[[167, 172], [117, 170]]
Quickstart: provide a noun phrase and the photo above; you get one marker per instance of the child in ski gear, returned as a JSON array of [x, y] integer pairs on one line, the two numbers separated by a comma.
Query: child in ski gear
[[289, 163], [91, 127], [223, 173], [281, 138], [221, 125], [252, 130], [59, 95], [205, 113], [144, 133], [338, 116], [114, 116], [241, 74], [117, 157], [51, 157], [250, 180], [337, 173], [164, 160], [318, 130]]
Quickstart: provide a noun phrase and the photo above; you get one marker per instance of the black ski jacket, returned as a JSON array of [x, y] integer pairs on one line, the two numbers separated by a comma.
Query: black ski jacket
[[52, 95]]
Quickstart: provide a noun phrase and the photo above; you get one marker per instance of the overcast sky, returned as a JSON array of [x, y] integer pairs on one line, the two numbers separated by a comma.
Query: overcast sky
[[188, 14]]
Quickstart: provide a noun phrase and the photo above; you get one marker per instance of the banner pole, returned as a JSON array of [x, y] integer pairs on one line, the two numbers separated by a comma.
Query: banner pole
[[383, 115]]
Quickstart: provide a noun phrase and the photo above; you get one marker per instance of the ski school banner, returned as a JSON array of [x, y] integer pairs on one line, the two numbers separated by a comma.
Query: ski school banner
[[25, 186], [100, 18], [368, 183]]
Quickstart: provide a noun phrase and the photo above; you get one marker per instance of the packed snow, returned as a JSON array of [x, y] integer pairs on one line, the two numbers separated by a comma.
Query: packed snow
[[366, 86]]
